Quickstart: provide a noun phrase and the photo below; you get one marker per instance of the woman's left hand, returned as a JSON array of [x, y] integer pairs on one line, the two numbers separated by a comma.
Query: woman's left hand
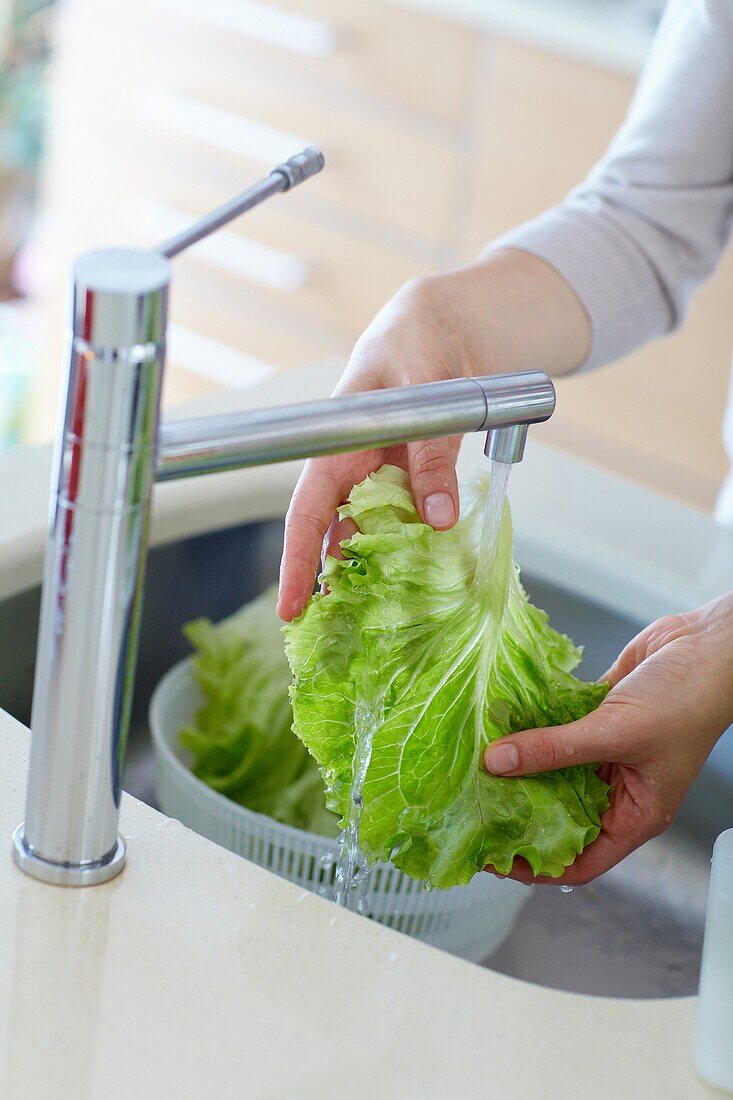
[[671, 699]]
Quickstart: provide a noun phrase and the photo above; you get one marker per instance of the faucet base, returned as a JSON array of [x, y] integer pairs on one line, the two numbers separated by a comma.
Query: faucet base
[[66, 874]]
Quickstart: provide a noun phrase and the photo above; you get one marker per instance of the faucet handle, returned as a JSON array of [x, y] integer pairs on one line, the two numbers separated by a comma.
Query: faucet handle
[[301, 167], [282, 178]]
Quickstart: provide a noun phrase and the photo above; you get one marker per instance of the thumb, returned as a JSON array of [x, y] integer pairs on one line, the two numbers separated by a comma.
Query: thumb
[[591, 740]]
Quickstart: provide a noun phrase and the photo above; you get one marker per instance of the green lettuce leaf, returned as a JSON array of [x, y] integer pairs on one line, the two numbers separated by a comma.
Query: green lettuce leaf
[[445, 666], [241, 739]]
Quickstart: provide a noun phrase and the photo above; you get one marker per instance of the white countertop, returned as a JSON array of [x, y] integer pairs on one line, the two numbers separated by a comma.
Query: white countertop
[[614, 34], [196, 973]]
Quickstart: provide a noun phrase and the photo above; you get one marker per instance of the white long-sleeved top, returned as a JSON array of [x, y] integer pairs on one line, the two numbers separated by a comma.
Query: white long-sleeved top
[[648, 225]]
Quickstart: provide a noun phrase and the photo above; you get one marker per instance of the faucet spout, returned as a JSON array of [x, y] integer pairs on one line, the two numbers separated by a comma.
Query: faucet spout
[[506, 444]]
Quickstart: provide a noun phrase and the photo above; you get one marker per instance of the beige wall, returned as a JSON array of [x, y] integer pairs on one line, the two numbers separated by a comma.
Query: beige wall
[[437, 139]]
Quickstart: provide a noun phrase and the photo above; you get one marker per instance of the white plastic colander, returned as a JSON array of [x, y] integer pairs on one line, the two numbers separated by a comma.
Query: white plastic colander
[[470, 921]]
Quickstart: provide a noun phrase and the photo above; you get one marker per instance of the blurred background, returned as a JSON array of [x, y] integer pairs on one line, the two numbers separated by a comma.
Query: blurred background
[[444, 123]]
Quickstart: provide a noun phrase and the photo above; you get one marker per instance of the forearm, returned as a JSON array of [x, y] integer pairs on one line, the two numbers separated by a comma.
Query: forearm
[[509, 311], [637, 238]]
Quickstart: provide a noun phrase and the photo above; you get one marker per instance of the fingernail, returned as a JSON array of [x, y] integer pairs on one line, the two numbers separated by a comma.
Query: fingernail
[[439, 510], [501, 759], [289, 609]]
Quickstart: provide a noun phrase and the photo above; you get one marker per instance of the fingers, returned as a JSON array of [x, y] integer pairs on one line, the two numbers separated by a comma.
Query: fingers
[[626, 662], [323, 485], [599, 857], [338, 532], [649, 641], [315, 500], [594, 739], [432, 470], [623, 830]]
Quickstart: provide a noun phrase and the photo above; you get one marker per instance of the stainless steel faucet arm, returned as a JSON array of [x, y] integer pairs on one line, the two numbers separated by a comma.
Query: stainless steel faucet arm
[[372, 419], [108, 454]]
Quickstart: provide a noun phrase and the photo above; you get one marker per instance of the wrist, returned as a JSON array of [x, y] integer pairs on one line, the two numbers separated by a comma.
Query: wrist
[[716, 622], [510, 311]]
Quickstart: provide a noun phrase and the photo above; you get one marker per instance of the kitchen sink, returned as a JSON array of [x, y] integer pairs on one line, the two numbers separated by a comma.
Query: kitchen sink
[[635, 932]]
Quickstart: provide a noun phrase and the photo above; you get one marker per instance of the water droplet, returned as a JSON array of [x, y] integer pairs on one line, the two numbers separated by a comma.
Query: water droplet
[[362, 908], [427, 887], [566, 889], [327, 860], [323, 891]]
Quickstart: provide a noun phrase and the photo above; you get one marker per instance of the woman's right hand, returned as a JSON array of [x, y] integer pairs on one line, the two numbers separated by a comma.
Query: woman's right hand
[[409, 341], [509, 312]]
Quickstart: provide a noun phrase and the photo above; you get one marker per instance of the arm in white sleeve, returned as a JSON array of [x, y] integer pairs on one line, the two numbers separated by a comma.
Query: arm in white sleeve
[[639, 236]]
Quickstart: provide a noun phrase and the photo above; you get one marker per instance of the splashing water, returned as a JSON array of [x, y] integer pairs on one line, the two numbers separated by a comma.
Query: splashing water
[[327, 860], [351, 879]]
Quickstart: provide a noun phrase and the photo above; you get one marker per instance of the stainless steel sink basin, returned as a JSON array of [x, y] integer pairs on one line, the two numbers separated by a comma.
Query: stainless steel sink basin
[[636, 932]]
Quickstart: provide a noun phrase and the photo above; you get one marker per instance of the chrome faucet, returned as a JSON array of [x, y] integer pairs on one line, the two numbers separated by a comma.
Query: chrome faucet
[[109, 451]]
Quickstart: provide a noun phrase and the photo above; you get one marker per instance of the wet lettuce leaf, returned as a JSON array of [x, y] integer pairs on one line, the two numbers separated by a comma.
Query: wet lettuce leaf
[[446, 666], [241, 739]]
